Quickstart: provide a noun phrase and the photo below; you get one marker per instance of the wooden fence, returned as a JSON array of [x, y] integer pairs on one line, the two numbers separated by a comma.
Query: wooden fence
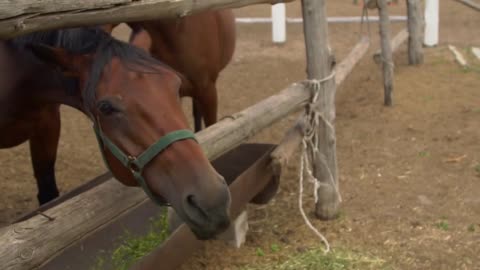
[[30, 243]]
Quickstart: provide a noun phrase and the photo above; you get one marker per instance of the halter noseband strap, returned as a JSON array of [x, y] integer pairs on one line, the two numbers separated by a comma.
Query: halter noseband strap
[[137, 164]]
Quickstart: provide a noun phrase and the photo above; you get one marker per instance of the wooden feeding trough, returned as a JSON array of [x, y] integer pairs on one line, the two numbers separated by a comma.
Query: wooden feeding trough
[[84, 254]]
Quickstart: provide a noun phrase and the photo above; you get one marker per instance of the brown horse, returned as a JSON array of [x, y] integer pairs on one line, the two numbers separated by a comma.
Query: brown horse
[[199, 47], [133, 102]]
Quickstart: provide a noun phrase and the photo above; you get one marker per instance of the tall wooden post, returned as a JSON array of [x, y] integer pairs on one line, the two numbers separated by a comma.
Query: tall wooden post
[[387, 57], [319, 66], [415, 30]]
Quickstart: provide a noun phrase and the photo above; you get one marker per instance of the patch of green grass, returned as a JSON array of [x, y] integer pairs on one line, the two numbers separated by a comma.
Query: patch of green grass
[[274, 247], [466, 69], [477, 168], [315, 259], [342, 215], [443, 225], [260, 252], [471, 228], [423, 153], [470, 69], [439, 61], [132, 248], [428, 98]]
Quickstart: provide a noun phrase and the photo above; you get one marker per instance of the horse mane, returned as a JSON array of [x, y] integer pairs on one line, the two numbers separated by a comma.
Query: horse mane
[[91, 40]]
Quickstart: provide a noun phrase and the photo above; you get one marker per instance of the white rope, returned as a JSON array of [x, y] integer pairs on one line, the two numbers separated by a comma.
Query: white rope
[[311, 136], [310, 139], [300, 201], [388, 63]]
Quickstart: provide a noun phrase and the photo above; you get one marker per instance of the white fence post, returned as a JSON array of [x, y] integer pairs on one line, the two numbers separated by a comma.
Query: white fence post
[[431, 22], [279, 23]]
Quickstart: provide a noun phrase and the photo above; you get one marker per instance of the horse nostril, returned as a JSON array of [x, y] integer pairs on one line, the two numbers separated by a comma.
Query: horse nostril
[[191, 202]]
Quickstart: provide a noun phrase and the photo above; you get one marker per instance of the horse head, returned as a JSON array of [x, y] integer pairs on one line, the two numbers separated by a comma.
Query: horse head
[[133, 101]]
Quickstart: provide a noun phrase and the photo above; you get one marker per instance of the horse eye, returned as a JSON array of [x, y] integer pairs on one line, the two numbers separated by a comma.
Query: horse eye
[[106, 107]]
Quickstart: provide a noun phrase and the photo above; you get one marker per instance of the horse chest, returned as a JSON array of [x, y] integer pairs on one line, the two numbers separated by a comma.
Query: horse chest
[[16, 125], [15, 134]]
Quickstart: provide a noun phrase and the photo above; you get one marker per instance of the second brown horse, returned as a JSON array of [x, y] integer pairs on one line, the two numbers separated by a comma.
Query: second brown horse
[[199, 47]]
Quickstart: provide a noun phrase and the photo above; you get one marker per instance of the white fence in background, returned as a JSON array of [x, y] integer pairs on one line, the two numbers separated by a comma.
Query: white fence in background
[[279, 21], [431, 22]]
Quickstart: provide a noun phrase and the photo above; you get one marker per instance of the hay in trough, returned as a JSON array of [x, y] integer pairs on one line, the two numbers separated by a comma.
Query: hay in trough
[[131, 248]]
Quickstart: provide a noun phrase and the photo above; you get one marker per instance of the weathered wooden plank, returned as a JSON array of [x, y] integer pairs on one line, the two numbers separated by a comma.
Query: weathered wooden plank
[[84, 14], [30, 243], [476, 52], [346, 66], [458, 56], [233, 130], [9, 8], [470, 3], [397, 41], [416, 25], [319, 67], [387, 56]]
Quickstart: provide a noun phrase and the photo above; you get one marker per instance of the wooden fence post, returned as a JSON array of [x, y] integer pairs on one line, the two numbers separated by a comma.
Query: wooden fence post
[[319, 66], [397, 41], [415, 30], [387, 56], [469, 3]]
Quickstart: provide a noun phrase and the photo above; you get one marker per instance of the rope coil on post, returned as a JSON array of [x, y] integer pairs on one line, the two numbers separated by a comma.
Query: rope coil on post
[[388, 63], [310, 139]]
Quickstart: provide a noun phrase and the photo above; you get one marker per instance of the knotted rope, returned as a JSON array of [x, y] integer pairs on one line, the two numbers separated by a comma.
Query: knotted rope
[[312, 118]]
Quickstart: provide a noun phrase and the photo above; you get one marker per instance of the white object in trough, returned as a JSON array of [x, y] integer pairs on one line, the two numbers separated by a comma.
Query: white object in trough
[[458, 56], [279, 23], [431, 22], [476, 52], [236, 234]]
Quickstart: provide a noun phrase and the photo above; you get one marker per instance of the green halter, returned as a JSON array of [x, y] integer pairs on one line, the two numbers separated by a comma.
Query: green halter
[[137, 164]]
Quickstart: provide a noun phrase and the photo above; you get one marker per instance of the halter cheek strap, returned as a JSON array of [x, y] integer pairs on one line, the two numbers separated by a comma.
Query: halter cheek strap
[[137, 164]]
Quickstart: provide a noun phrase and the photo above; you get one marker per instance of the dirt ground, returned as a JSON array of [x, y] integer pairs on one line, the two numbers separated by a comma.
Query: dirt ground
[[409, 175]]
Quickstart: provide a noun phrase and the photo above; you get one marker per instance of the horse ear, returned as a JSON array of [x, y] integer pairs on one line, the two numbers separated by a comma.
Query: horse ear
[[141, 39], [54, 56], [108, 27]]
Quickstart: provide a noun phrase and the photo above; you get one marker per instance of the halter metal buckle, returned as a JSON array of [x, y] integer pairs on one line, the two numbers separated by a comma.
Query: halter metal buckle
[[132, 166]]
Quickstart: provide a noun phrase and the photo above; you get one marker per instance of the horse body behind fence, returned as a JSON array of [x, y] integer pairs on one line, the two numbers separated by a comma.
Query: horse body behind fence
[[199, 47], [132, 100]]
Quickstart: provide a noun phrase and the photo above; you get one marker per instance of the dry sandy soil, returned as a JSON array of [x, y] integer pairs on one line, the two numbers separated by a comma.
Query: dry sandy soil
[[409, 175]]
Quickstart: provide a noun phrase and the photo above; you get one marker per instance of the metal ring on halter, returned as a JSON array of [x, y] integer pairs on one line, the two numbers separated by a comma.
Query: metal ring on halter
[[132, 166]]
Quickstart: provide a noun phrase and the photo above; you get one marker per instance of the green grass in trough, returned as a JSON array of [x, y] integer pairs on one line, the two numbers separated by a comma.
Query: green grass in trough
[[132, 248]]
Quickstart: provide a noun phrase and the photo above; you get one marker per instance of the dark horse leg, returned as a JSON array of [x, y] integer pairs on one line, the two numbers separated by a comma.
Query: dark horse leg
[[43, 149], [197, 115], [205, 106]]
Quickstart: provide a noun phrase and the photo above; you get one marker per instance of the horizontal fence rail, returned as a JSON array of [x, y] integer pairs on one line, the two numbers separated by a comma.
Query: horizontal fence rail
[[23, 16]]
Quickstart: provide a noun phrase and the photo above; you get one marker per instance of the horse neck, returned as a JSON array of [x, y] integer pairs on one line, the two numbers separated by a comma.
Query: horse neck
[[29, 81]]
